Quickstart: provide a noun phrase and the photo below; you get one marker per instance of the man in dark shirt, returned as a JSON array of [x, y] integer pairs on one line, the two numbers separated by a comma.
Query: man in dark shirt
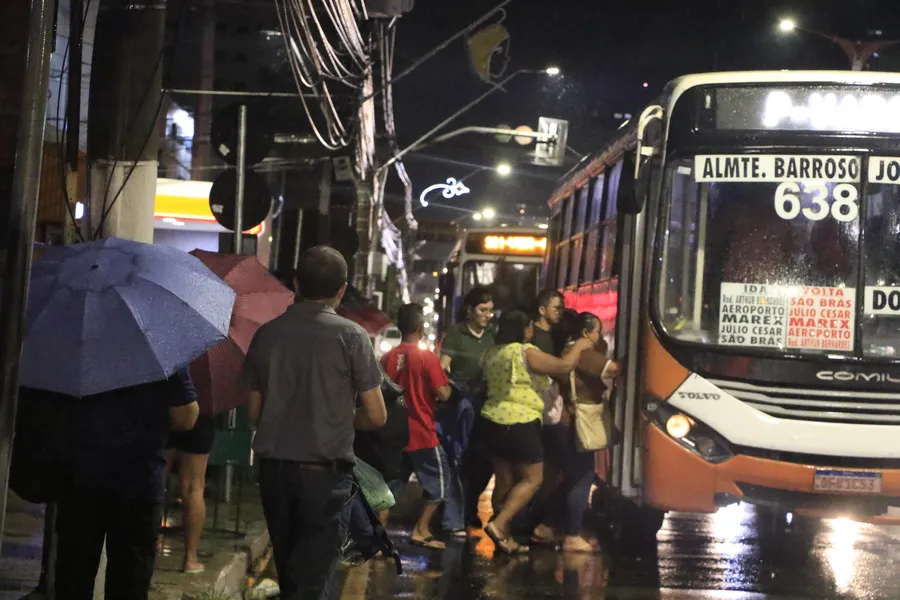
[[548, 314], [115, 485], [306, 369]]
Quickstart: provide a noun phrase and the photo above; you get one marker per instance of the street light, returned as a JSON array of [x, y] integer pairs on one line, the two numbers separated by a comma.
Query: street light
[[787, 25], [504, 169], [488, 213], [476, 217], [859, 52], [500, 85]]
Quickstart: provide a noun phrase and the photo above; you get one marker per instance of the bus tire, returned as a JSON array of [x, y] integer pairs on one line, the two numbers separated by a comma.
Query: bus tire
[[635, 527], [644, 522]]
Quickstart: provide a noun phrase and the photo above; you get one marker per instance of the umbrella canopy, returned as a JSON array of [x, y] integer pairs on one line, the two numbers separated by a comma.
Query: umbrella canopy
[[114, 313], [359, 309], [260, 298]]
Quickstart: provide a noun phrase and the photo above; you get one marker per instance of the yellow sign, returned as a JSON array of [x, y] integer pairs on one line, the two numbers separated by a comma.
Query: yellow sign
[[516, 244], [187, 201]]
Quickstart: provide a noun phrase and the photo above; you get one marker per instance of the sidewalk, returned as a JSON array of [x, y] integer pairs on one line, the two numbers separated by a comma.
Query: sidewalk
[[228, 557]]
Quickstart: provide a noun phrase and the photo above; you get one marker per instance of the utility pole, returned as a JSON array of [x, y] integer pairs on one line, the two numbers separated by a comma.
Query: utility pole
[[123, 117], [123, 127], [201, 149], [27, 33]]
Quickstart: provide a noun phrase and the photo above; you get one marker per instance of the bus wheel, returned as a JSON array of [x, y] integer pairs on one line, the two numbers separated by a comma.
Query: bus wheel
[[643, 523], [635, 527]]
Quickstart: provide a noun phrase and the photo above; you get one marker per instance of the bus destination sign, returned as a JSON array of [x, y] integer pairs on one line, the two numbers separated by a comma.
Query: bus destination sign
[[520, 245], [807, 108]]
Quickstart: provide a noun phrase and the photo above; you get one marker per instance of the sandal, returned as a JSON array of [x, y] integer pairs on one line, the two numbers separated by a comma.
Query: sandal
[[429, 542], [505, 545], [540, 536], [582, 546]]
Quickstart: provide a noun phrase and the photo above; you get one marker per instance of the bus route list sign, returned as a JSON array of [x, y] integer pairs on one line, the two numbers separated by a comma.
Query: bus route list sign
[[782, 316]]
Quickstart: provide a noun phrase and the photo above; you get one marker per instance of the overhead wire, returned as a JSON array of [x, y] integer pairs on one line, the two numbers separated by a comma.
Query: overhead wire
[[324, 44], [391, 235]]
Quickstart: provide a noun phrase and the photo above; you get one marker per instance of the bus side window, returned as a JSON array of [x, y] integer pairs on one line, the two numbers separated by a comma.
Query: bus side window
[[592, 247], [608, 266], [565, 242]]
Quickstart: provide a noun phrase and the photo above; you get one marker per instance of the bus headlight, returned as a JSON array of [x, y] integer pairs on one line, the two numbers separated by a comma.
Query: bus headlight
[[690, 433], [678, 426]]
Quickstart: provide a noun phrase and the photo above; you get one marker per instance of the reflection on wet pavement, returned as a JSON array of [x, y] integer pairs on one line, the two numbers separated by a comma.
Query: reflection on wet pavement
[[735, 554]]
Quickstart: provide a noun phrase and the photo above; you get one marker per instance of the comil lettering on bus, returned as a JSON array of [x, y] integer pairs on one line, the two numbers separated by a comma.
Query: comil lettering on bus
[[833, 111]]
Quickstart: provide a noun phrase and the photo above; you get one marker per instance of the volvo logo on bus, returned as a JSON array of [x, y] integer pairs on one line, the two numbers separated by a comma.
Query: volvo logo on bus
[[848, 376]]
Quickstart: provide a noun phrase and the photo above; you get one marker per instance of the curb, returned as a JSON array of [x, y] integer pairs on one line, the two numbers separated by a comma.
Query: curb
[[232, 578]]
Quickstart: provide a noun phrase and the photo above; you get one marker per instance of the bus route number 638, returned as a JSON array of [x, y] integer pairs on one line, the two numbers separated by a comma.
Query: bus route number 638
[[843, 206]]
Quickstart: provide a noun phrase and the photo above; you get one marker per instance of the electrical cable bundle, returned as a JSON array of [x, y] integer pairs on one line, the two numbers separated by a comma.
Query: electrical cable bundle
[[391, 235], [324, 45]]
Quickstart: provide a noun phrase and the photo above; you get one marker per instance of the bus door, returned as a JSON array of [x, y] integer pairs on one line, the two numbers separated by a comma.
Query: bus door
[[638, 183]]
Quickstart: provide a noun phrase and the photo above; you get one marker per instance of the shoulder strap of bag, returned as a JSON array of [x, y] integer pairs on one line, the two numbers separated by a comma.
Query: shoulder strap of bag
[[572, 388]]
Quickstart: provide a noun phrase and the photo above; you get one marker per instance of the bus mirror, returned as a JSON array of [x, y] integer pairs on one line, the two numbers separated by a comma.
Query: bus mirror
[[446, 283], [632, 190], [634, 186]]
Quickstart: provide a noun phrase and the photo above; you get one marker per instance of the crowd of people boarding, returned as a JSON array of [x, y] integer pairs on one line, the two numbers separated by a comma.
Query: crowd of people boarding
[[499, 400]]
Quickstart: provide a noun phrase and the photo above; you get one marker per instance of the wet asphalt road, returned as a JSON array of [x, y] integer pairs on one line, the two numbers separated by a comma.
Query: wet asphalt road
[[726, 555]]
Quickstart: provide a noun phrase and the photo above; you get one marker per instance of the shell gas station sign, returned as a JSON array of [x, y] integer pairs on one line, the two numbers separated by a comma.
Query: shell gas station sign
[[181, 202]]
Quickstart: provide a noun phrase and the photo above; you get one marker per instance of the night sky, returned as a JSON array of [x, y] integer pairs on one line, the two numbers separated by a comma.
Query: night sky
[[607, 51]]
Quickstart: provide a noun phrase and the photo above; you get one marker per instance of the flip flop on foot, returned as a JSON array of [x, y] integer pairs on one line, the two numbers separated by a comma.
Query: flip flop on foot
[[579, 545], [507, 546], [543, 535], [428, 542], [193, 569]]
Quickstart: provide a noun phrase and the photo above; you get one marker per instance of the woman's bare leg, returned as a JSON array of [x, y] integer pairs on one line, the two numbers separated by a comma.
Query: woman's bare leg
[[504, 479], [527, 484], [192, 473]]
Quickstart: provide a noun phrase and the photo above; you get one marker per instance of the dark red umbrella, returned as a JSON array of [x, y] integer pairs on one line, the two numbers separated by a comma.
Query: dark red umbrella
[[260, 298], [359, 309]]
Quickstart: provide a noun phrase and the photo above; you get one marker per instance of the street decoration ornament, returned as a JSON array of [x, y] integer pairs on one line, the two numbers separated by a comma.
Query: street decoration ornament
[[452, 189]]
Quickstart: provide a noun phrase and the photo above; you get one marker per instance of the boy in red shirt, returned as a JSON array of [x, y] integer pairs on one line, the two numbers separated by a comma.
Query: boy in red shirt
[[419, 373]]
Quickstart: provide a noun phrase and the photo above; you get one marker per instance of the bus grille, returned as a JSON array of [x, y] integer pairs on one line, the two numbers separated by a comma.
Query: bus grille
[[828, 406]]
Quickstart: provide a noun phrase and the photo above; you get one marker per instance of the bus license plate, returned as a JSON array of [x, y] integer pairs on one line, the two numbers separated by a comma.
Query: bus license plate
[[848, 482]]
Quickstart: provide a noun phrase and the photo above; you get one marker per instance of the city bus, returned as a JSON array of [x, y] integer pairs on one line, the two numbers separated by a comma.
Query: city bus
[[740, 241], [506, 260]]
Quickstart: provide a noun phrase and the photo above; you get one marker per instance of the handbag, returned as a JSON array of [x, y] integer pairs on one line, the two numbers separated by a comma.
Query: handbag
[[592, 424], [373, 487], [41, 464], [553, 405]]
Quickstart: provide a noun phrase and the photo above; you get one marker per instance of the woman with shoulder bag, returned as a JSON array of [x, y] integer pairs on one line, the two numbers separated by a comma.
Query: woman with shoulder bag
[[590, 427]]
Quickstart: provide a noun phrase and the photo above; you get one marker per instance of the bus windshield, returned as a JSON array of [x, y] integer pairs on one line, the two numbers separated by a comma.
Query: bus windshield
[[752, 261], [511, 284]]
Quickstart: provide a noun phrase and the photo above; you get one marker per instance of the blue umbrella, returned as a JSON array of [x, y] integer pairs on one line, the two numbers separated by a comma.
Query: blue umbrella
[[113, 313]]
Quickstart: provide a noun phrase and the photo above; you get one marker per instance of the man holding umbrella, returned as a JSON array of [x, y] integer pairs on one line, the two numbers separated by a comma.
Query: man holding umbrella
[[110, 327], [307, 370]]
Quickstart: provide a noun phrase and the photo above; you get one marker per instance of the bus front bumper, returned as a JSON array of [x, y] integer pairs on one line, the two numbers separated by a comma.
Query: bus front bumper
[[676, 479]]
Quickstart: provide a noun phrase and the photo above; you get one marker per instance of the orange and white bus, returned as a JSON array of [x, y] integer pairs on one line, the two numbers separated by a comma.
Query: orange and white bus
[[741, 243], [506, 260]]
